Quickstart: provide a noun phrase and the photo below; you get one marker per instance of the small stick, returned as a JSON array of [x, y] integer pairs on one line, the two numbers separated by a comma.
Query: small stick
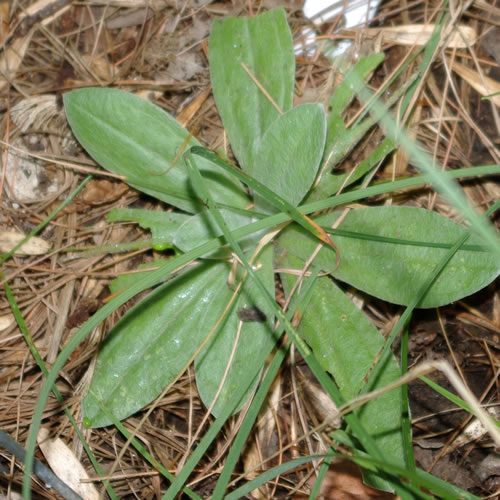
[[42, 471]]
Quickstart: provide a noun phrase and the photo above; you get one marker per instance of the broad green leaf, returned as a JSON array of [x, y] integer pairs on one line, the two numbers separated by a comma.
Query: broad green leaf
[[264, 293], [395, 272], [151, 344], [287, 159], [454, 194], [125, 281], [255, 340], [201, 227], [163, 225], [264, 45], [134, 138], [271, 197], [346, 343]]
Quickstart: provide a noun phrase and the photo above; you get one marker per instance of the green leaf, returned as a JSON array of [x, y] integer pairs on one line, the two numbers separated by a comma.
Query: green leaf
[[201, 227], [337, 139], [344, 92], [346, 343], [396, 272], [424, 162], [330, 184], [125, 281], [163, 225], [287, 159], [255, 340], [264, 44], [329, 386], [271, 197], [131, 137], [152, 343]]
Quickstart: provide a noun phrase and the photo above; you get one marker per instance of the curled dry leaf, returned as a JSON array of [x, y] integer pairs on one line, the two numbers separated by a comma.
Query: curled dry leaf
[[100, 66], [27, 178], [490, 466], [4, 20], [5, 321], [65, 465], [419, 34], [343, 481], [483, 85], [100, 191], [187, 113], [320, 402], [38, 112], [13, 55], [474, 431], [12, 58], [34, 246]]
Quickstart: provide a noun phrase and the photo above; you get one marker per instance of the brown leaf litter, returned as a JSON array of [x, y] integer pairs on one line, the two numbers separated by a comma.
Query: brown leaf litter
[[158, 49]]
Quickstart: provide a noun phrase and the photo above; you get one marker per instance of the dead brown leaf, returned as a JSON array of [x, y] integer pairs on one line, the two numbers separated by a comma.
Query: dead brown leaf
[[101, 191]]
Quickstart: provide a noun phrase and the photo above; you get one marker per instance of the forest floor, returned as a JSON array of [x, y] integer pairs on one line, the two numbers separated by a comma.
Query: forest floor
[[158, 50]]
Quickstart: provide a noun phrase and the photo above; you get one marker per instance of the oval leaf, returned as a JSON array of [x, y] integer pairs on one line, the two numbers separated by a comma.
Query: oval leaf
[[134, 138], [395, 272], [290, 152], [152, 343], [254, 343], [346, 343], [264, 44]]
